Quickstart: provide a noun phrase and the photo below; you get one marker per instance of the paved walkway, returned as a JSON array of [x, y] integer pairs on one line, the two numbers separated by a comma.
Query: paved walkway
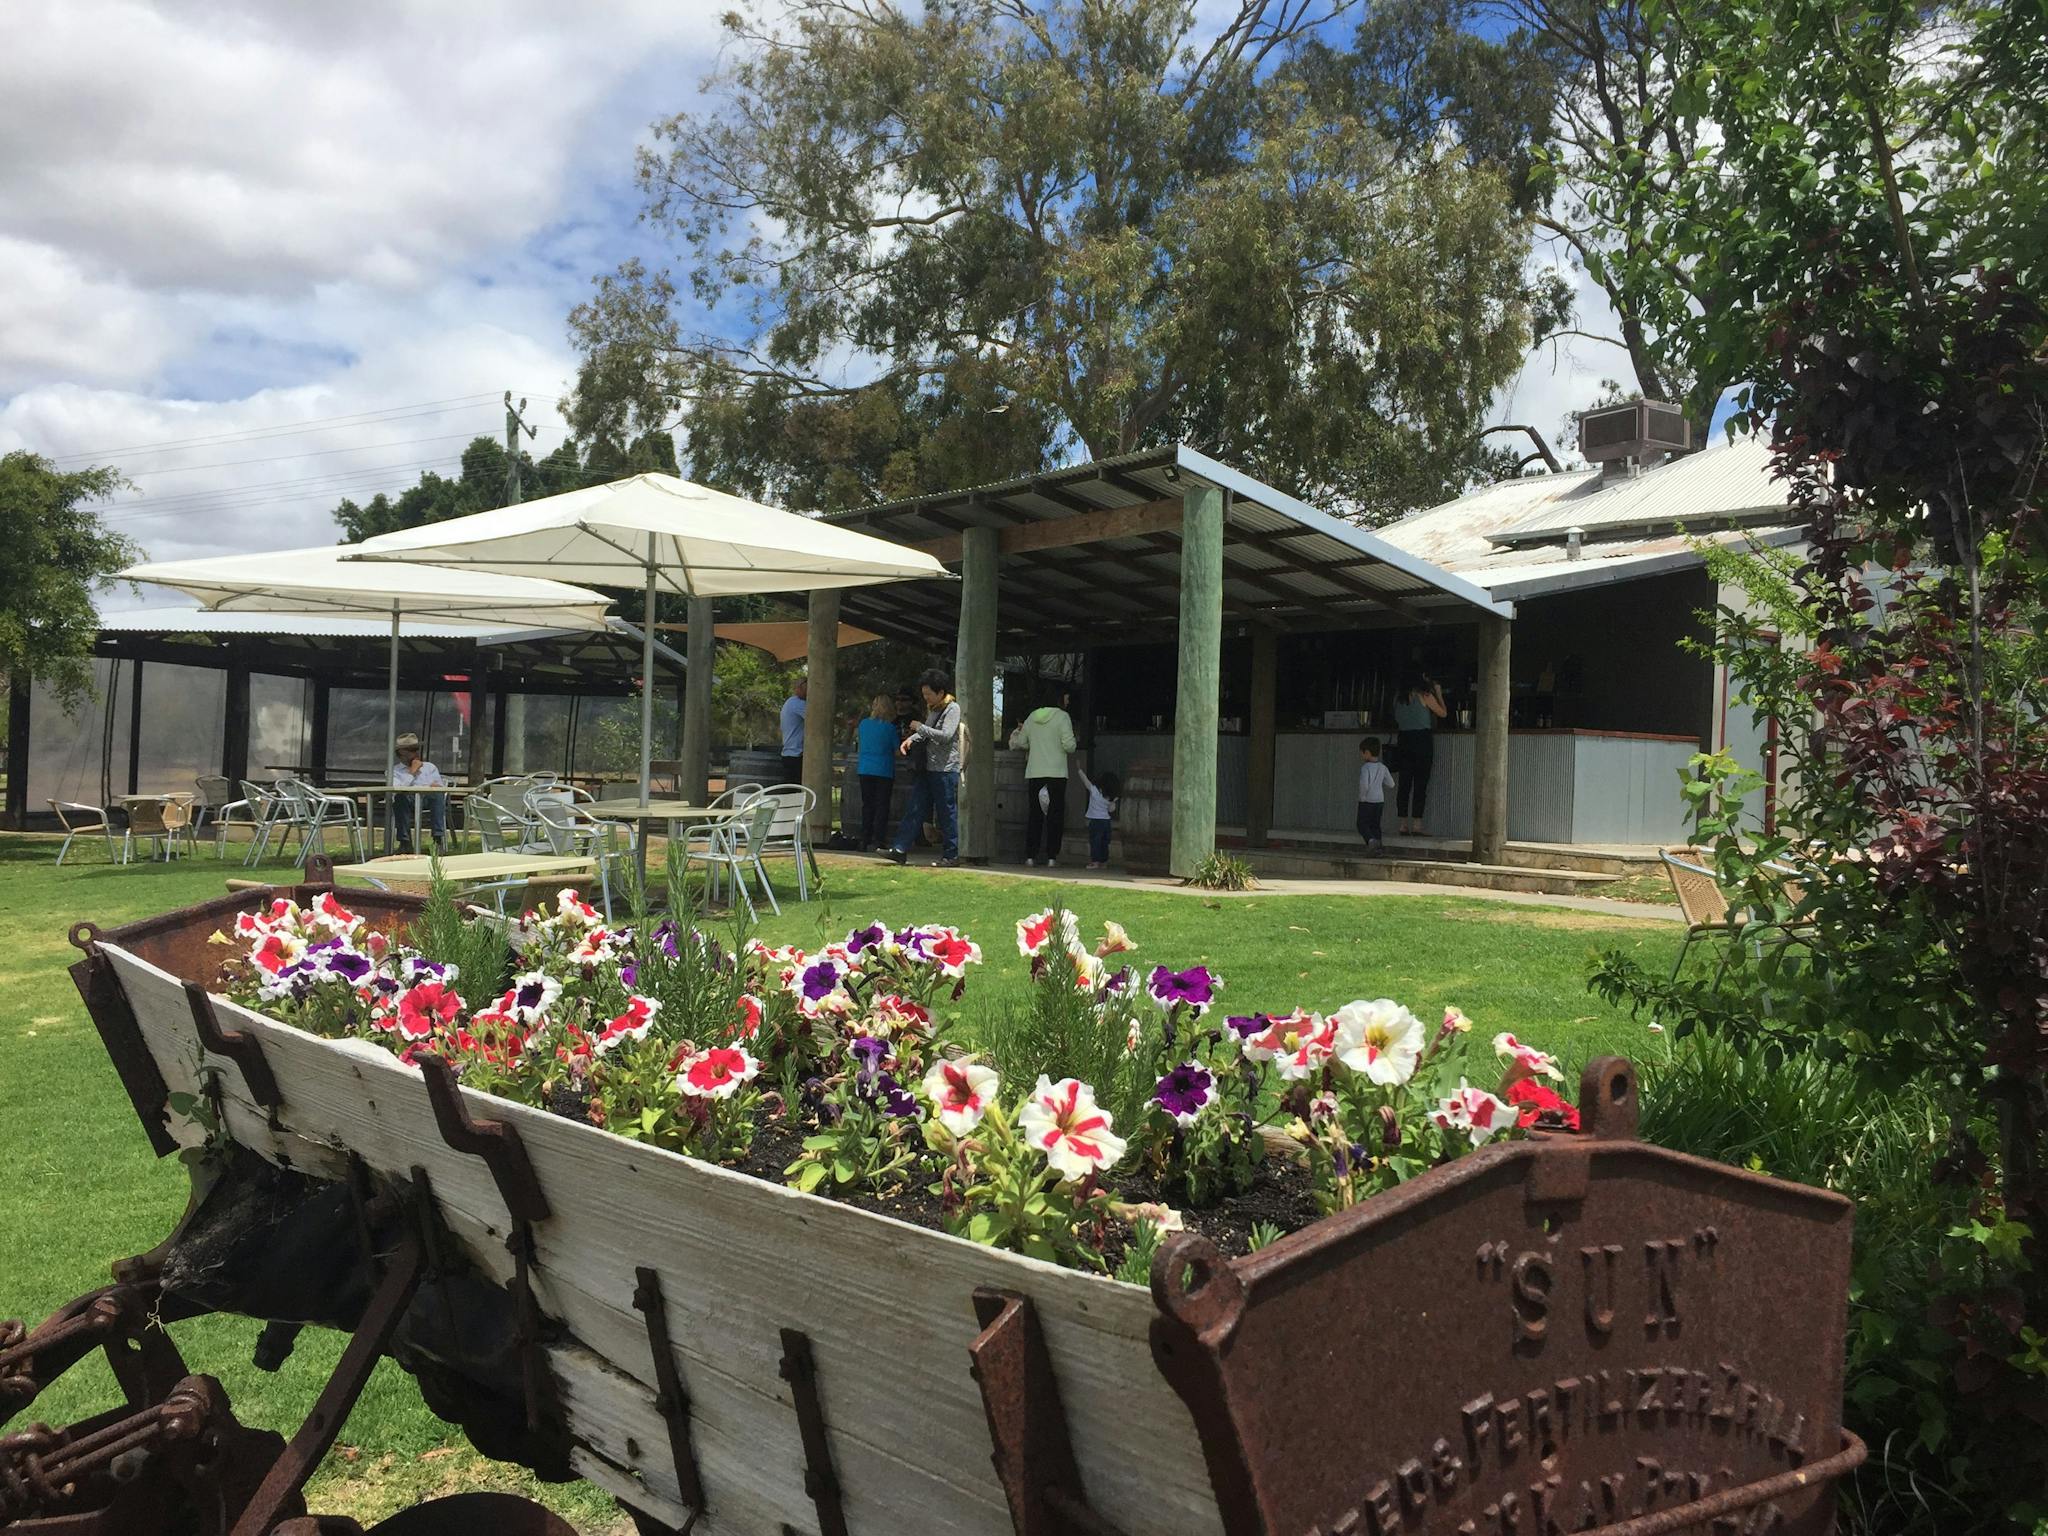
[[1632, 911]]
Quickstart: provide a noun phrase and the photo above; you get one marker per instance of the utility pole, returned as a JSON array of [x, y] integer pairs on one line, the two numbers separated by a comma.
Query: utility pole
[[513, 423]]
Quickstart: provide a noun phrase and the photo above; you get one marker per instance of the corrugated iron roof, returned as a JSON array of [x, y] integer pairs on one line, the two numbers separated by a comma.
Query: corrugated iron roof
[[1510, 538]]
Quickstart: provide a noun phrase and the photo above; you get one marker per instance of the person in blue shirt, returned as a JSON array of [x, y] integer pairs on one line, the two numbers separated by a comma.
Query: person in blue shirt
[[876, 738], [793, 711]]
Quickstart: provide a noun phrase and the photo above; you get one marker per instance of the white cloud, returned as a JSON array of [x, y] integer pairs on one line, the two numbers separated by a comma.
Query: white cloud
[[1564, 375], [59, 320]]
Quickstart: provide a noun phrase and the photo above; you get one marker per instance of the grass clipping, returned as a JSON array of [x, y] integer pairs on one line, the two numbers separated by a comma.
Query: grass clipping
[[1223, 872]]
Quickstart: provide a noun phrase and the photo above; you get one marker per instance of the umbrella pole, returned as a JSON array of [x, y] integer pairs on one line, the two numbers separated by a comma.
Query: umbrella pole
[[391, 738], [646, 712]]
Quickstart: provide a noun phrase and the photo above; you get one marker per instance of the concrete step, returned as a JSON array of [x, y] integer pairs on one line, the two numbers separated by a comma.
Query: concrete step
[[1332, 865], [1607, 860]]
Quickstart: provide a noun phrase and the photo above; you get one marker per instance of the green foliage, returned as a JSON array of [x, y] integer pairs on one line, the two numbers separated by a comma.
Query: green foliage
[[1135, 1267], [57, 552], [747, 690], [1056, 223], [1221, 871], [1263, 1234], [479, 949]]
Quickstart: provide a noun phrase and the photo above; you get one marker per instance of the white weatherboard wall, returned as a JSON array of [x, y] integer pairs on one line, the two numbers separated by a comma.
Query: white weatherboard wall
[[1563, 786]]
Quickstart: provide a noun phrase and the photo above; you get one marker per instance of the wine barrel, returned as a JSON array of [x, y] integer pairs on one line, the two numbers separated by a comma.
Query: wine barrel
[[751, 766], [1144, 818], [1010, 805]]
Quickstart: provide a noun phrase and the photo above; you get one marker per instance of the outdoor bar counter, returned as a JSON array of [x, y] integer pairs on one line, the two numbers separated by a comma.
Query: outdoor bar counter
[[1564, 786]]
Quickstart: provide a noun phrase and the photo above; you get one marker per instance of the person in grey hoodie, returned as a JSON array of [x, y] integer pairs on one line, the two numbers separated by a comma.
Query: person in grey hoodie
[[937, 788], [1048, 735]]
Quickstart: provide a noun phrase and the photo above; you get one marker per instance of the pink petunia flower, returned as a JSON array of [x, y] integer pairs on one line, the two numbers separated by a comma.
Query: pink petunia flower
[[1476, 1112], [633, 1024], [718, 1073], [1062, 1121], [1299, 1045], [426, 1008], [1035, 932], [960, 1093], [1525, 1060]]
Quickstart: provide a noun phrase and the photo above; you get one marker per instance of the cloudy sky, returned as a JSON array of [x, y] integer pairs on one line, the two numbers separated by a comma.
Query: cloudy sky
[[263, 256]]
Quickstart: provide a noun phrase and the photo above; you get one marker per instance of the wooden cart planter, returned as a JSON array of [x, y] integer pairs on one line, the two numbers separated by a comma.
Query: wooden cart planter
[[1561, 1333]]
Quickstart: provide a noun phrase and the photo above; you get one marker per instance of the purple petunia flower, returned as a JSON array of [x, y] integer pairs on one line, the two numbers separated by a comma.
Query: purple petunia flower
[[1193, 988], [895, 1099], [1245, 1025], [868, 1051], [820, 979], [629, 974], [348, 964], [665, 936], [1184, 1091], [865, 938]]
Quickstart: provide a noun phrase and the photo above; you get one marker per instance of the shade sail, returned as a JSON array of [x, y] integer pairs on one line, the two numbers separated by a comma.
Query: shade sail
[[319, 581], [698, 541], [784, 641]]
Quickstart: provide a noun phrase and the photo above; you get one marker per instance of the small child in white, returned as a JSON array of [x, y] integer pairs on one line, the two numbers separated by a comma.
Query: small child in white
[[1373, 783], [1101, 807]]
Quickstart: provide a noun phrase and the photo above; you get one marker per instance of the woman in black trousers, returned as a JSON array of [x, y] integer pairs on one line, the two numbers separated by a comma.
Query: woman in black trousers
[[1418, 705]]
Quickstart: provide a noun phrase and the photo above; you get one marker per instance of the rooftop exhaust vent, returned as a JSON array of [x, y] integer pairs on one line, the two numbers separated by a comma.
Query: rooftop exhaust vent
[[1647, 431]]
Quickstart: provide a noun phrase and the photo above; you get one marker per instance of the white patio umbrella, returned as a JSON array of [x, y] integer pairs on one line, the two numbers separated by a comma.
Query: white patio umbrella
[[319, 581], [657, 531]]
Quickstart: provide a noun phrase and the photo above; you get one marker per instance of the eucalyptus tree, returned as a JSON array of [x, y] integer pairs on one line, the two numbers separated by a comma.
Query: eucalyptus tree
[[930, 243]]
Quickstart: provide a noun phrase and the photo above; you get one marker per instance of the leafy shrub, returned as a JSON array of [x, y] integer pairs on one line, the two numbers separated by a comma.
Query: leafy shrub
[[1223, 872]]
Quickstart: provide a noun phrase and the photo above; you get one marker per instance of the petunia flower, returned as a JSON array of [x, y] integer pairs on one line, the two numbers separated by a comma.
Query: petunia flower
[[1381, 1041], [1245, 1025], [1088, 970], [1525, 1060], [574, 911], [633, 1024], [276, 950], [425, 1008], [1114, 940], [532, 995], [750, 1016], [1474, 1111], [861, 940], [895, 1099], [1185, 1091], [819, 979], [951, 951], [1035, 932], [892, 1015], [960, 1093], [1193, 988], [1061, 1121], [718, 1073], [1533, 1101], [1299, 1045], [1455, 1023]]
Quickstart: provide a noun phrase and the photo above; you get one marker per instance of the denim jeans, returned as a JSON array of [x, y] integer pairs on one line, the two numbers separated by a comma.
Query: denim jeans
[[933, 792], [1098, 839], [436, 808]]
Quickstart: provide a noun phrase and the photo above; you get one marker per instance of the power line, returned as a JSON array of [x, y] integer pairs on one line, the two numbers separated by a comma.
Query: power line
[[286, 429], [321, 453], [291, 490]]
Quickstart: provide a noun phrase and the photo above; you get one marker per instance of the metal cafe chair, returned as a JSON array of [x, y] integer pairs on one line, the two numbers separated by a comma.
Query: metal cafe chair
[[735, 847], [76, 818], [264, 809], [571, 830], [702, 833], [790, 832], [313, 811]]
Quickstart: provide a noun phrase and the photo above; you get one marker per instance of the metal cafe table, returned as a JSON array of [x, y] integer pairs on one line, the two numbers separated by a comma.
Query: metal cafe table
[[672, 812]]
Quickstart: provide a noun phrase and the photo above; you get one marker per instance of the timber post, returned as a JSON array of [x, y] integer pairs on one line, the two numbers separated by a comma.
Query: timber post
[[974, 684], [821, 724], [1263, 736], [1490, 744], [694, 777], [1196, 708]]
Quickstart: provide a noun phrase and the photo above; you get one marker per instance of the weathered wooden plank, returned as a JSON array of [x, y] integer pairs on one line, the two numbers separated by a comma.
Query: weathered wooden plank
[[887, 1307]]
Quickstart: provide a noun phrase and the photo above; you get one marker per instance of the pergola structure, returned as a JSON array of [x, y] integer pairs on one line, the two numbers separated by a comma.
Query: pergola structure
[[501, 666], [1163, 545]]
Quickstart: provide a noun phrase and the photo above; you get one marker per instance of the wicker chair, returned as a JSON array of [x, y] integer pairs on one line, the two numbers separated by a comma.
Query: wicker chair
[[161, 822]]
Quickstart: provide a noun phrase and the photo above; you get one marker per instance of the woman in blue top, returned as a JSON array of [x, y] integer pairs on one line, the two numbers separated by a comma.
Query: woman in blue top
[[877, 738], [1418, 705]]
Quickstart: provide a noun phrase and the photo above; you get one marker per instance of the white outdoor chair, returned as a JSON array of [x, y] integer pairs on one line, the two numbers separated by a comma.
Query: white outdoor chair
[[734, 847], [76, 818], [701, 833], [790, 832]]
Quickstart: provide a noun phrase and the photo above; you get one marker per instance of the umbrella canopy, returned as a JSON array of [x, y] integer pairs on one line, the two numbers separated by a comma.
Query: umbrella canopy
[[319, 581], [698, 542], [658, 531]]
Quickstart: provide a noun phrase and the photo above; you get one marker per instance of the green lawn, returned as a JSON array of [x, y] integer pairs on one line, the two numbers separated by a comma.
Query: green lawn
[[81, 1188]]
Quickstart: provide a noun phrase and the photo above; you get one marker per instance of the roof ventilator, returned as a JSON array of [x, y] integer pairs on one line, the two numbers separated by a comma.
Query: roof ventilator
[[1626, 439]]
